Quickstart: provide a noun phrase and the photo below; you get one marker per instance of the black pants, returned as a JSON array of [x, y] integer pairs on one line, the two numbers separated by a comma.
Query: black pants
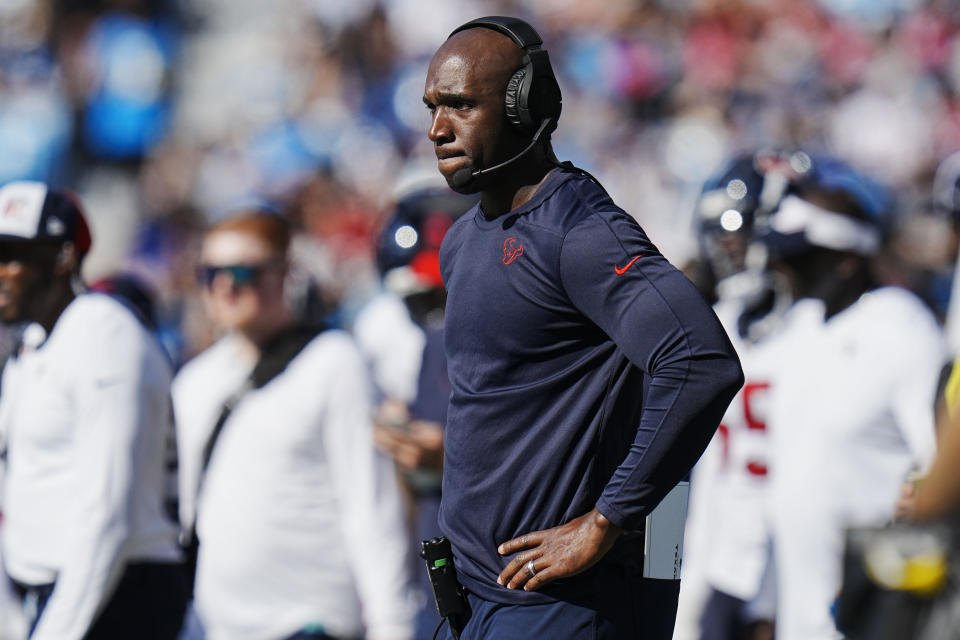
[[722, 617], [312, 635], [615, 604], [149, 604]]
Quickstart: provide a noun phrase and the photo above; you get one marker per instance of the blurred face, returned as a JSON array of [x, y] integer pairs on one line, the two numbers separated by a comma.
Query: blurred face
[[243, 282], [824, 274], [26, 272], [464, 93]]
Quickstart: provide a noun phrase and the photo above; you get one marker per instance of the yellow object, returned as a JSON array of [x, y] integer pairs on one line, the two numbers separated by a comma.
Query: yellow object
[[923, 574], [951, 393]]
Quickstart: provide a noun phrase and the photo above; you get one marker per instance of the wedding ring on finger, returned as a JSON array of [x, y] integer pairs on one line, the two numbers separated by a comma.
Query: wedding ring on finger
[[532, 569]]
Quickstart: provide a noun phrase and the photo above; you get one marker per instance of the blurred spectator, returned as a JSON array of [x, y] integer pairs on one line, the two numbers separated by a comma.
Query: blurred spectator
[[409, 428], [727, 539], [342, 224], [279, 412], [392, 323], [946, 206], [12, 622], [936, 494], [126, 103], [292, 99], [36, 127], [139, 299], [86, 418]]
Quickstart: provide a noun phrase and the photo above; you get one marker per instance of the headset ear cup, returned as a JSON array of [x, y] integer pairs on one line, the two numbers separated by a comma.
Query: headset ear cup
[[512, 99]]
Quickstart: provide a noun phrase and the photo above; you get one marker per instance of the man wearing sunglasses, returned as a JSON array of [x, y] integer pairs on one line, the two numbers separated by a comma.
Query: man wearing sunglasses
[[85, 411], [297, 519]]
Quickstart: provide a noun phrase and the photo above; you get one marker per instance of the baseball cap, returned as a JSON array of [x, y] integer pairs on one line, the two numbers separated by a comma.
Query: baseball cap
[[33, 212]]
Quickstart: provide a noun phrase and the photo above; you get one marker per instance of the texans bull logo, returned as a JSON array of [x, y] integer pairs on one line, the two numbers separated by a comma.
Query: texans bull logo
[[512, 250]]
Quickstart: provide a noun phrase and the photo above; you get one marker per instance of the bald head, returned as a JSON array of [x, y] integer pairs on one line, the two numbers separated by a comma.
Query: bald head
[[466, 93], [485, 57]]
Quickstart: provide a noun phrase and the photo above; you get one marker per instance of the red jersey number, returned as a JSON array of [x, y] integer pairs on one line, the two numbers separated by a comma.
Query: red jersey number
[[751, 398]]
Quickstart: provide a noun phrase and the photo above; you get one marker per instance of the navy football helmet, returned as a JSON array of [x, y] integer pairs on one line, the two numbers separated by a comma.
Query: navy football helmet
[[731, 208], [416, 228], [408, 249], [733, 204]]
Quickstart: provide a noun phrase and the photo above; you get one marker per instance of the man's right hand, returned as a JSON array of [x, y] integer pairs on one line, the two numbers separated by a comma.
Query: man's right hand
[[556, 553], [906, 503]]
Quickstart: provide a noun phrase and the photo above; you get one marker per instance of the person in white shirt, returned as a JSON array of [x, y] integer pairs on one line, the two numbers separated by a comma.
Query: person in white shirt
[[852, 406], [727, 539], [409, 426], [298, 517], [85, 409], [12, 624]]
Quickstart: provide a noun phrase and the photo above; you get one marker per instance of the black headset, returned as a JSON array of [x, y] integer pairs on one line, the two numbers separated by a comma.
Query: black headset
[[533, 94]]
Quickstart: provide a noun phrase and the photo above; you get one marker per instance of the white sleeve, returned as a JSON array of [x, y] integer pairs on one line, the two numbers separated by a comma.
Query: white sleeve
[[6, 395], [12, 624], [188, 451], [108, 410], [369, 497], [914, 392], [392, 345]]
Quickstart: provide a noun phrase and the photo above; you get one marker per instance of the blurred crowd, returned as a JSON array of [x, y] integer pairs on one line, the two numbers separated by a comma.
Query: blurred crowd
[[166, 116]]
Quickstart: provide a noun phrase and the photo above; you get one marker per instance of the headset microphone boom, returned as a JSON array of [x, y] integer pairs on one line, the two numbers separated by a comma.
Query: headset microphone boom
[[465, 176]]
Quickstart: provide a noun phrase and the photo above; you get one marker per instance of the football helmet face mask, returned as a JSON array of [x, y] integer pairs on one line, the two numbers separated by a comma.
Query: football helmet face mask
[[725, 214], [731, 206]]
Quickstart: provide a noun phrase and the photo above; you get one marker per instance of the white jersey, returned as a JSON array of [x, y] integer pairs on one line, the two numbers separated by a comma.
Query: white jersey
[[727, 538], [739, 532], [87, 416], [694, 588], [392, 344], [299, 518], [852, 414], [12, 624], [11, 620]]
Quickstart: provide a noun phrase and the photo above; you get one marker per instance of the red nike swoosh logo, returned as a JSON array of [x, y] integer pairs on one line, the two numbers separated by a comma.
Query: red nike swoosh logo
[[622, 270]]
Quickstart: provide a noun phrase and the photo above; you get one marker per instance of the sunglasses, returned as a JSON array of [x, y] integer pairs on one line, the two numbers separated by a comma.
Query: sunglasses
[[28, 252], [241, 275]]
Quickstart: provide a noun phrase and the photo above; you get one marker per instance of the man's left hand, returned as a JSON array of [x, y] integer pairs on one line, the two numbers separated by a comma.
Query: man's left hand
[[556, 553]]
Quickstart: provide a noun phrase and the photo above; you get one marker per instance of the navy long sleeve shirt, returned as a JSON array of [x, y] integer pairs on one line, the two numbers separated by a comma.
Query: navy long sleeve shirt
[[586, 372]]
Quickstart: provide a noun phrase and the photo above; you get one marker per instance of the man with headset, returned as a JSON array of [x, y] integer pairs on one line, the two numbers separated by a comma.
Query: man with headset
[[588, 374]]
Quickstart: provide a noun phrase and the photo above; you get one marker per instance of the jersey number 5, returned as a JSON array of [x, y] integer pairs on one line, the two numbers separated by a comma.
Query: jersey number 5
[[749, 396]]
